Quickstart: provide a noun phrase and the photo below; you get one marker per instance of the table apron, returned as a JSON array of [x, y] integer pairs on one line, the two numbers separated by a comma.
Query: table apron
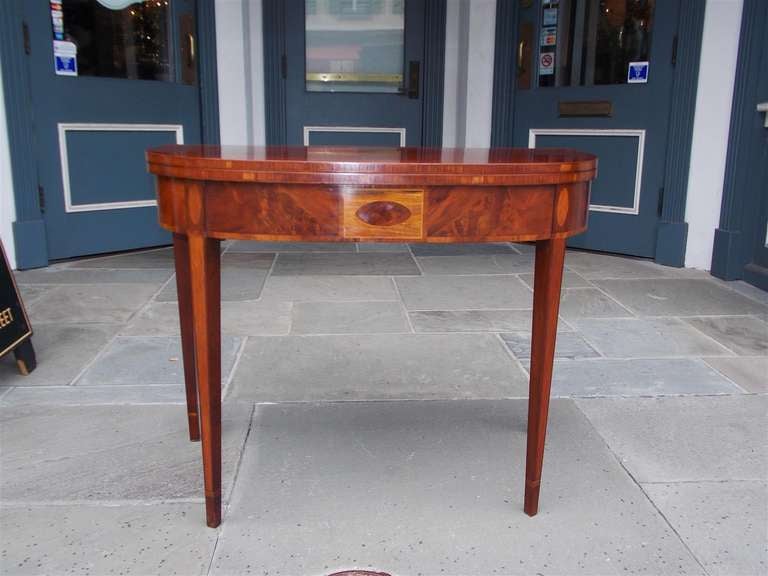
[[345, 213]]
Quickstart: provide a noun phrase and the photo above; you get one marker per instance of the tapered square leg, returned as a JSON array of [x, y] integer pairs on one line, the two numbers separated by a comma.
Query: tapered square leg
[[184, 292], [205, 275], [548, 277]]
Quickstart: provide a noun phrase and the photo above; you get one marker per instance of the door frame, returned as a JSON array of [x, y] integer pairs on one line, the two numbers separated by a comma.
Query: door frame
[[672, 229], [29, 230], [432, 81], [734, 237]]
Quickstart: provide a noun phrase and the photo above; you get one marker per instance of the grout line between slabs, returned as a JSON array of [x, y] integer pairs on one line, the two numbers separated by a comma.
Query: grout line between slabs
[[403, 307], [640, 487], [236, 475], [235, 363], [99, 503], [721, 373], [697, 330], [515, 359]]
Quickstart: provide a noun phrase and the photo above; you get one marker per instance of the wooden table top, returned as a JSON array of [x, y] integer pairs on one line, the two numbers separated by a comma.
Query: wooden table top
[[371, 165]]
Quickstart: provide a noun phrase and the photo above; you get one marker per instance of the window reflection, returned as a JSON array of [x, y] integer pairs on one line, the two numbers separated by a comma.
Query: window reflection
[[589, 42], [354, 45], [131, 42]]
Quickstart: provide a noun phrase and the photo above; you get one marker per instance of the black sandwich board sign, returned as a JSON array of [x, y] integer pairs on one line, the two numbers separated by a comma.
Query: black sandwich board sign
[[15, 330]]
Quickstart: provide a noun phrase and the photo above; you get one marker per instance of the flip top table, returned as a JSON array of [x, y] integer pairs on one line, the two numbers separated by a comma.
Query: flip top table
[[346, 194]]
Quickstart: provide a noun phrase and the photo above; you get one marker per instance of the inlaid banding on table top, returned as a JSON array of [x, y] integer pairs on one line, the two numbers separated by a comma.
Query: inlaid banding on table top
[[374, 166]]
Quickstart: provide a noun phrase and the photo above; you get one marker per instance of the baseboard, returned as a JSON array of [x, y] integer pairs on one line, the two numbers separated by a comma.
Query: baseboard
[[671, 240], [727, 261], [31, 246]]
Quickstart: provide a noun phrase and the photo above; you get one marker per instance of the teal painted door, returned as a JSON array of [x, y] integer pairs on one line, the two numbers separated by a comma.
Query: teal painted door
[[353, 71], [597, 75], [109, 79], [756, 270]]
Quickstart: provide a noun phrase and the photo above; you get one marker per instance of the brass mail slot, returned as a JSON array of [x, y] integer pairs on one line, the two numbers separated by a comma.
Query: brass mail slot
[[585, 108]]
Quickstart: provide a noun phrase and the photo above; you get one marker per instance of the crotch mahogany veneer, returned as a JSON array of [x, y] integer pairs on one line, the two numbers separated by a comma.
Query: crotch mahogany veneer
[[208, 194]]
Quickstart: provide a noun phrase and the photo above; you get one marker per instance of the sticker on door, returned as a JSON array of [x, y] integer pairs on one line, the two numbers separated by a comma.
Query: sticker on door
[[65, 58], [637, 73], [546, 63]]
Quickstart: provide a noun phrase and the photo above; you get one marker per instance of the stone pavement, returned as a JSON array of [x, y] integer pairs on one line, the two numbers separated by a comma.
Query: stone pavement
[[374, 418]]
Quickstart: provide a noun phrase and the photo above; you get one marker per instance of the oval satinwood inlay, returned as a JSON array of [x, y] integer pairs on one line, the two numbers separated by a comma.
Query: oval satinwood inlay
[[383, 213]]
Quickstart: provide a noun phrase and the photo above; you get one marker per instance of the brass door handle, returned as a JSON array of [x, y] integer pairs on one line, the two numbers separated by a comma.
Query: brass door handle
[[414, 73], [191, 51], [521, 56]]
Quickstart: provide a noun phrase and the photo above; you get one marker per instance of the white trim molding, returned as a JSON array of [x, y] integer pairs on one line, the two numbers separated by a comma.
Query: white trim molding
[[63, 128], [364, 129], [633, 210]]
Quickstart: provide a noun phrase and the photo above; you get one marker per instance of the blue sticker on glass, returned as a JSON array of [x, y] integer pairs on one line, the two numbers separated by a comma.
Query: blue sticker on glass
[[637, 73], [65, 58], [66, 65]]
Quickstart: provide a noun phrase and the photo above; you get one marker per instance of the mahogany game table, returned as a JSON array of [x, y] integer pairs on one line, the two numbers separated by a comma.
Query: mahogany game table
[[207, 194]]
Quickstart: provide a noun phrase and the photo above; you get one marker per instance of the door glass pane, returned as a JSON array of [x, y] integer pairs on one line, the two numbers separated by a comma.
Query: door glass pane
[[354, 45], [116, 38], [592, 42]]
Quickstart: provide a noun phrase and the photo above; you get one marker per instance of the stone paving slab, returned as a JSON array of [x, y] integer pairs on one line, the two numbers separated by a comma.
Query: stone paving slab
[[476, 264], [570, 280], [149, 360], [435, 488], [725, 524], [104, 303], [155, 539], [162, 258], [236, 285], [749, 373], [679, 297], [524, 247], [745, 335], [93, 276], [93, 395], [107, 453], [242, 278], [329, 289], [382, 247], [62, 351], [376, 367], [237, 319], [638, 377], [747, 290], [476, 321], [515, 264], [249, 246], [647, 338], [462, 248], [578, 303], [705, 438], [593, 265], [348, 318], [31, 292], [569, 345], [464, 292], [363, 264]]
